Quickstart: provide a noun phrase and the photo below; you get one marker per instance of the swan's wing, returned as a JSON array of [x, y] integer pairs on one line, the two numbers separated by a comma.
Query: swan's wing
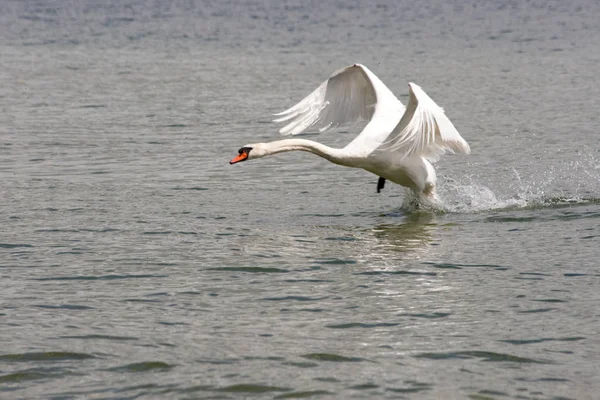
[[424, 130], [350, 94]]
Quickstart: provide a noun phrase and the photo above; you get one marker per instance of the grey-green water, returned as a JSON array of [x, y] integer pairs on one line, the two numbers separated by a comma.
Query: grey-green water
[[136, 263]]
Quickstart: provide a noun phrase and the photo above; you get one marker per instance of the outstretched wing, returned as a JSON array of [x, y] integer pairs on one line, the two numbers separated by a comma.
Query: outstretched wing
[[350, 94], [424, 130]]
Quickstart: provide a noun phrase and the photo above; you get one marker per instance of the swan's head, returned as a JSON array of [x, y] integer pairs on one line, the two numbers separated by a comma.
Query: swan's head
[[249, 152]]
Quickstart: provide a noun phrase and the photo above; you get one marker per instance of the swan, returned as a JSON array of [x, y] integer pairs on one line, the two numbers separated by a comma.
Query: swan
[[399, 143]]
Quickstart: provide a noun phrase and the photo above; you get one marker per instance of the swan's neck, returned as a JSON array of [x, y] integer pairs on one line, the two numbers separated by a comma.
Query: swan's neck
[[280, 146]]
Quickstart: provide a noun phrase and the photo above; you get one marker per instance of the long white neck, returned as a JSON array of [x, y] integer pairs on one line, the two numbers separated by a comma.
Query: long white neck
[[280, 146]]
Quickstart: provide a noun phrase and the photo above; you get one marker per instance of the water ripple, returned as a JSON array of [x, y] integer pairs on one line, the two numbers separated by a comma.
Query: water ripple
[[461, 266], [295, 298], [424, 315], [304, 394], [99, 277], [99, 337], [143, 367], [331, 357], [250, 269], [64, 306], [536, 310], [22, 376], [364, 386], [400, 272], [413, 387], [251, 388], [34, 374], [45, 356], [541, 340], [362, 325], [484, 355], [14, 245]]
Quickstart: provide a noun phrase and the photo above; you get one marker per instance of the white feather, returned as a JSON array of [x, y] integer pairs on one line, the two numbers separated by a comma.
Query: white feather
[[350, 94], [424, 130]]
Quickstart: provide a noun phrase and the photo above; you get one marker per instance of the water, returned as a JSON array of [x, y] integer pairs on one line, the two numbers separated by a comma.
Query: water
[[136, 263]]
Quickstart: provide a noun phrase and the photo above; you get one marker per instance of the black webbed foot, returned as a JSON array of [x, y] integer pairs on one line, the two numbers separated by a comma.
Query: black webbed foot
[[380, 184]]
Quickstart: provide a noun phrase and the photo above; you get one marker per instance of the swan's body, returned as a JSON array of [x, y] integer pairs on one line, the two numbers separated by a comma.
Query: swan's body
[[398, 144]]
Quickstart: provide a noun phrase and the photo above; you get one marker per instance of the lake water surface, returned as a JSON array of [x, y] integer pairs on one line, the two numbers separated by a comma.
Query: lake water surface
[[135, 262]]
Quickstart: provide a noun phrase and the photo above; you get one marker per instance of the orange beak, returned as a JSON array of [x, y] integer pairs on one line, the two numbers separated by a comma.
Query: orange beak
[[238, 158]]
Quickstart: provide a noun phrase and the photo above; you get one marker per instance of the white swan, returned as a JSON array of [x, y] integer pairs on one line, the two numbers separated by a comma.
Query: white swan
[[398, 144]]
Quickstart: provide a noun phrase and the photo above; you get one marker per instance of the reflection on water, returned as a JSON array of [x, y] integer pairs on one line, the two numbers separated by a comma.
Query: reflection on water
[[386, 244], [414, 233], [408, 237]]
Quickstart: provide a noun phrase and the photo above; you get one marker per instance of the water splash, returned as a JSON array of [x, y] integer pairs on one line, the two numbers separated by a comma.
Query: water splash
[[475, 197], [573, 182]]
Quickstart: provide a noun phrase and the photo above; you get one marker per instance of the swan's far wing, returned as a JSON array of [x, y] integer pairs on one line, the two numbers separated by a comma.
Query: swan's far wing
[[424, 130], [349, 95]]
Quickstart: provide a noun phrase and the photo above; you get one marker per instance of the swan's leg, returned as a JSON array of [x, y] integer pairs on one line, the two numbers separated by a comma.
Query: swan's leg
[[380, 184]]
